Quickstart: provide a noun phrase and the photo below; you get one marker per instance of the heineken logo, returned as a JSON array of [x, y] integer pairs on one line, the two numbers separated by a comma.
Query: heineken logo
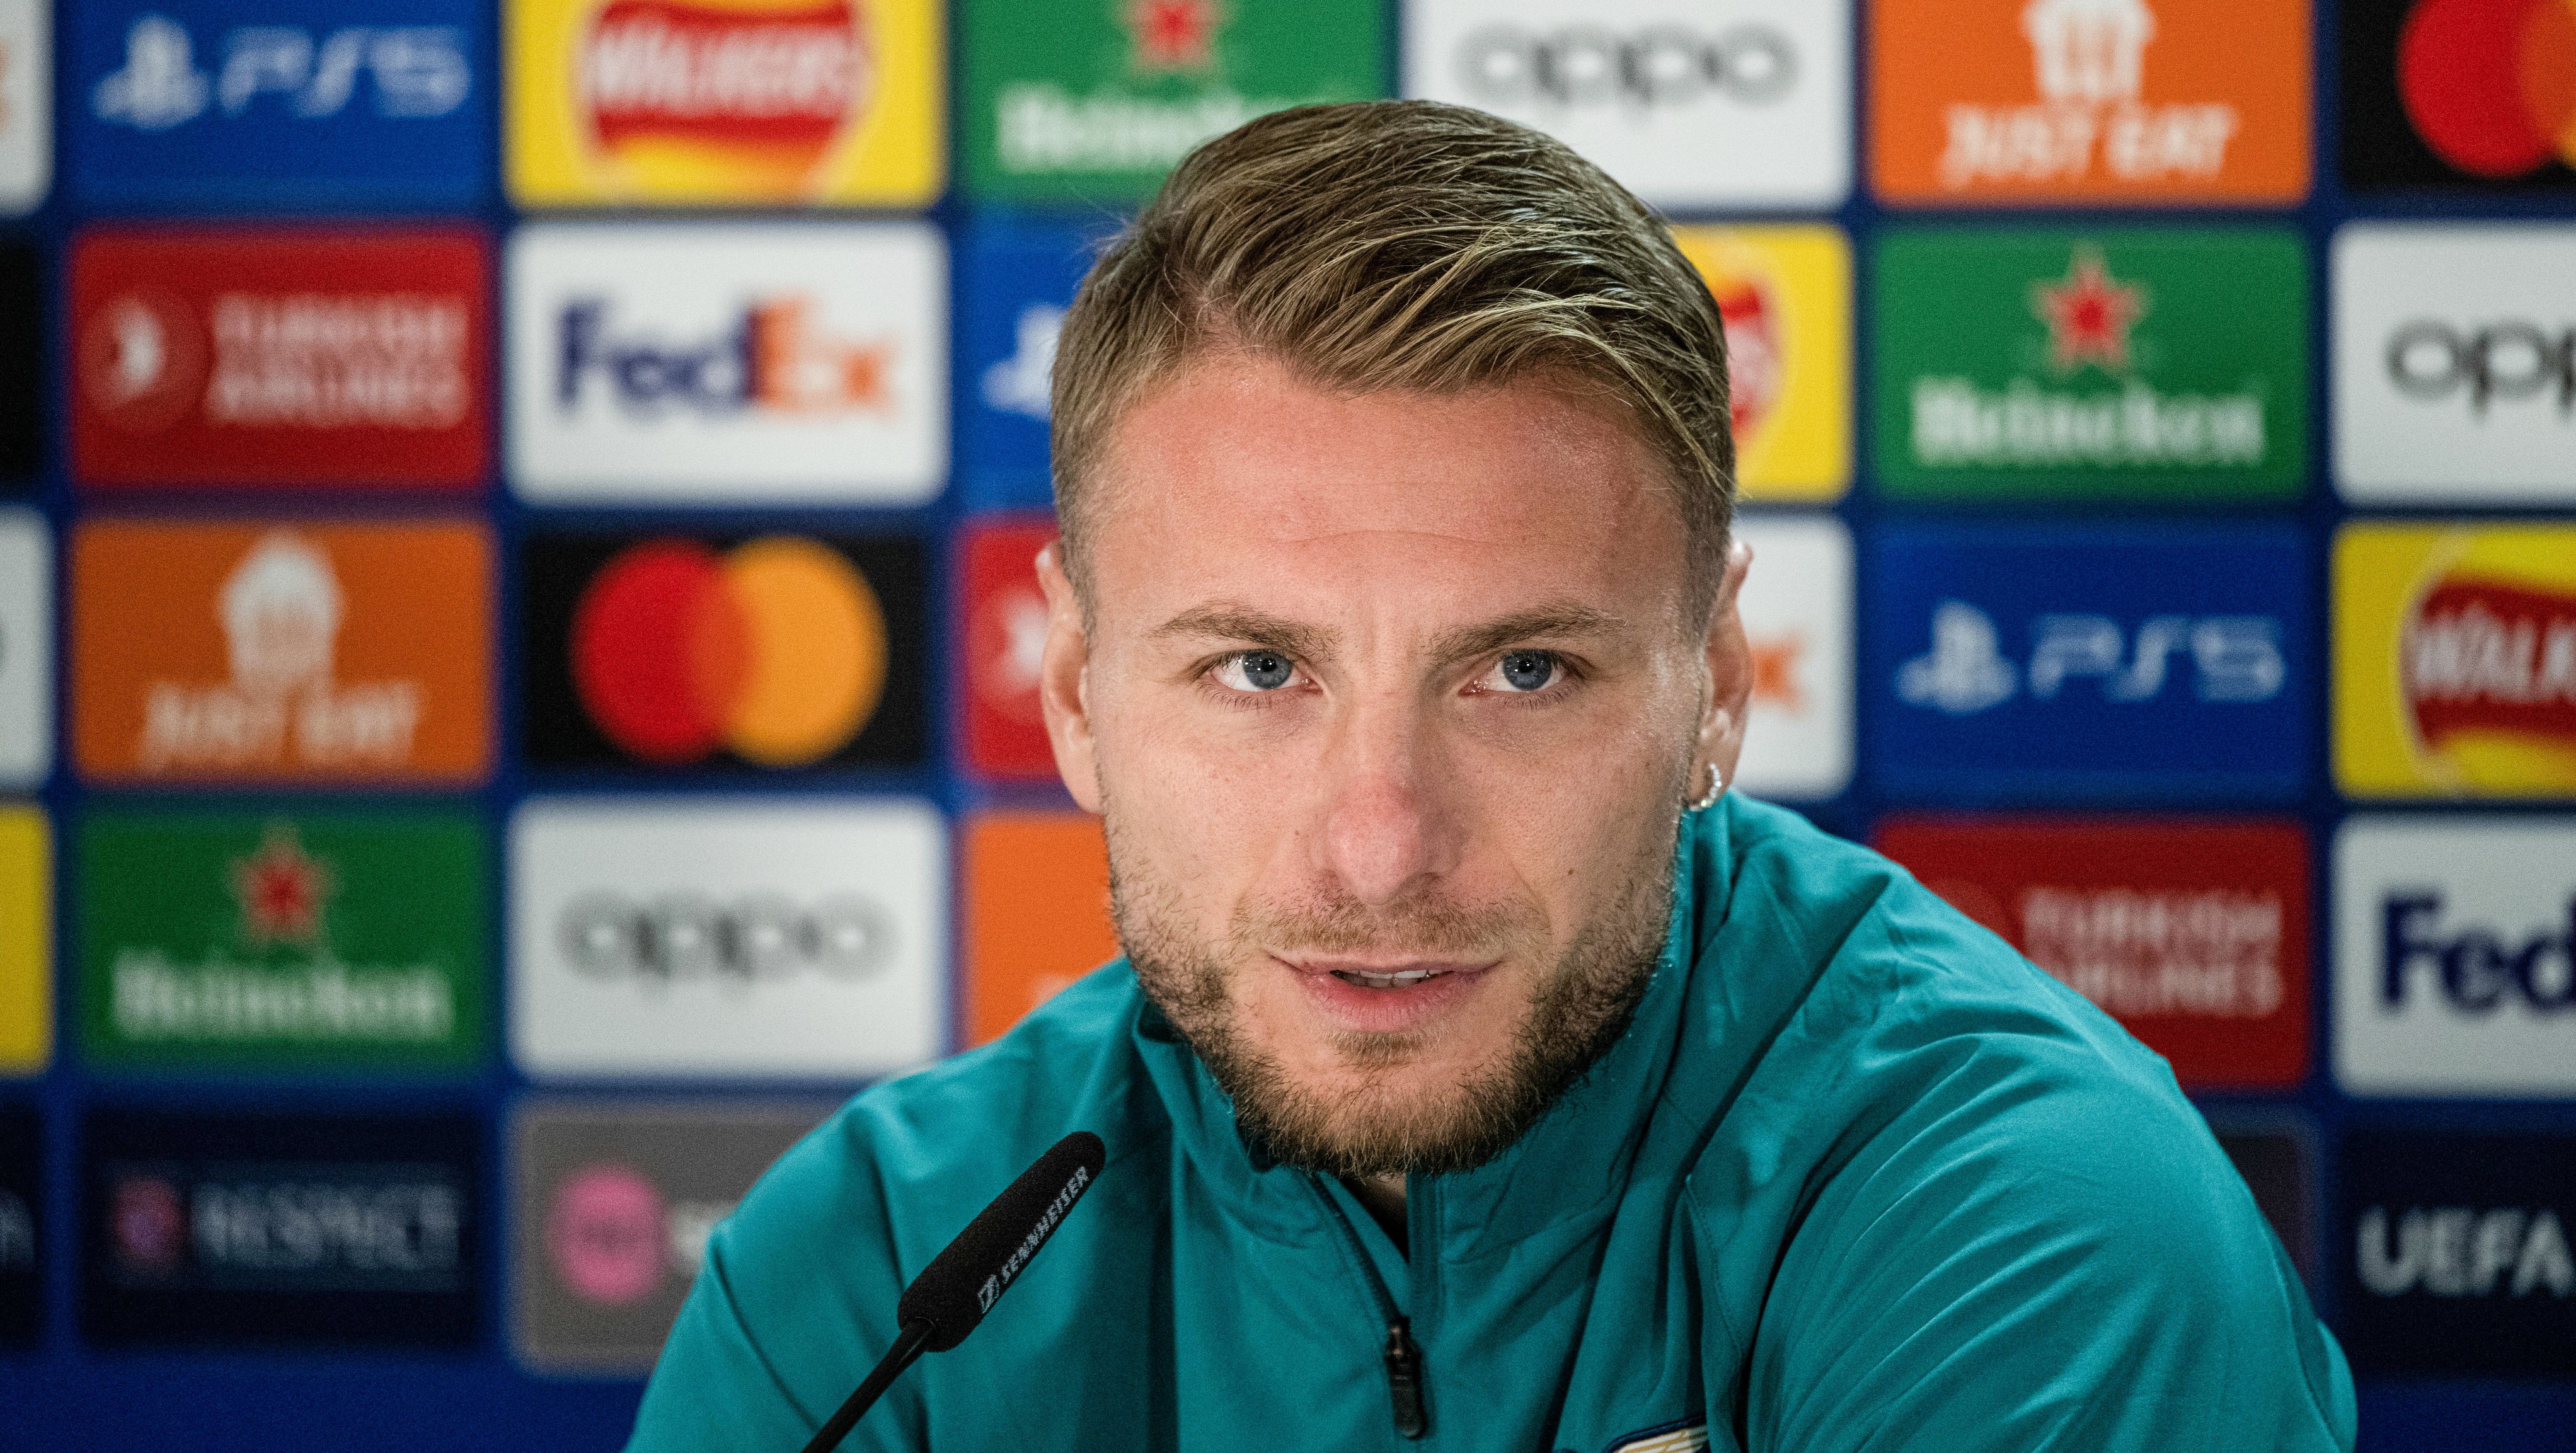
[[328, 936], [2126, 363], [1174, 35]]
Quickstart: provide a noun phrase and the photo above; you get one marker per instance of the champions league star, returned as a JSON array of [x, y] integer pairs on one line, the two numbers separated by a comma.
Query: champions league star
[[1481, 1073]]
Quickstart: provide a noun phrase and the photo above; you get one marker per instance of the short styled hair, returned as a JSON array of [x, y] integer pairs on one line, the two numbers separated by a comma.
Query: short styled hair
[[1405, 245]]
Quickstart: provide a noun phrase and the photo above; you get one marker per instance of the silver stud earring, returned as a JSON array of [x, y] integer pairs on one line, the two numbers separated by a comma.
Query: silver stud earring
[[1716, 789]]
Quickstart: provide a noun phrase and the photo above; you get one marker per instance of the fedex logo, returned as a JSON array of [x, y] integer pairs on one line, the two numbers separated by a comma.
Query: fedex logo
[[776, 356], [2455, 956], [2227, 658], [2088, 664], [728, 363], [409, 71]]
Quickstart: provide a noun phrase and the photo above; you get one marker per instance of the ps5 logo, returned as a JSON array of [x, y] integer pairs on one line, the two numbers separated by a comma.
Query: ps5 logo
[[1020, 384], [2229, 659], [419, 71]]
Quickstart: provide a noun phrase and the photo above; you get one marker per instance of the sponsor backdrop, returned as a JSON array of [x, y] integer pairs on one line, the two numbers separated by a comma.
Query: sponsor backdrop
[[518, 641]]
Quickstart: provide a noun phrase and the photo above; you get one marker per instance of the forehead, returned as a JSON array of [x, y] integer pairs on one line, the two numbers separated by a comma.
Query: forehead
[[1234, 472]]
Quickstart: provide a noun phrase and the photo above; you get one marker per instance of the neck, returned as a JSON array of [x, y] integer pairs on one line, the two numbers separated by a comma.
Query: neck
[[1383, 1196]]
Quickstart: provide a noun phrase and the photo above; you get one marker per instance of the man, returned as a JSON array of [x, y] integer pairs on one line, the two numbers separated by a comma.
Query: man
[[1481, 1075]]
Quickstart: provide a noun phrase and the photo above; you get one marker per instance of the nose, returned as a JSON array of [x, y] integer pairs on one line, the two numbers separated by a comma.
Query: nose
[[1390, 827]]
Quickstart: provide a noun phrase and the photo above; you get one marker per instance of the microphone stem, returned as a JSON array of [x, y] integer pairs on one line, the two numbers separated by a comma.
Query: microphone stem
[[906, 1349]]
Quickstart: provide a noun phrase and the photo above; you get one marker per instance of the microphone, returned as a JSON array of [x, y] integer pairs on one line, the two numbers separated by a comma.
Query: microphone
[[952, 1295]]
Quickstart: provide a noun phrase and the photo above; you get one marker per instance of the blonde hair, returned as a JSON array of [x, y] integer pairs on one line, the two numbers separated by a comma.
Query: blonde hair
[[1405, 245]]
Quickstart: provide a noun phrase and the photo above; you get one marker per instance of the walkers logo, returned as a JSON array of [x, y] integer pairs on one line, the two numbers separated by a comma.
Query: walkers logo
[[324, 941], [2193, 934], [2036, 664], [1745, 103], [1005, 634], [247, 1230], [2454, 1254], [22, 1209], [673, 937], [1036, 909], [1018, 280], [2167, 365], [26, 941], [1785, 293], [2146, 102], [689, 363], [674, 651], [1797, 611], [613, 1204], [2463, 95], [257, 653], [26, 649], [356, 103], [2455, 363], [724, 102], [26, 104], [1093, 100], [2455, 661], [2455, 956], [292, 358]]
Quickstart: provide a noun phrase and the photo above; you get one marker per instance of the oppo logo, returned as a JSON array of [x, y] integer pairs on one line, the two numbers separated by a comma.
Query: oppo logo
[[678, 936], [1662, 65], [2511, 362]]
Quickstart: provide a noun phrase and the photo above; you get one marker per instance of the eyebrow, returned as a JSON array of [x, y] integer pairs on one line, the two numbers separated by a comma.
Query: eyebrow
[[1312, 643]]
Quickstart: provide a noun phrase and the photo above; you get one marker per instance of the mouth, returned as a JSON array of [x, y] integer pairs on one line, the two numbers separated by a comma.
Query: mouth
[[1386, 995]]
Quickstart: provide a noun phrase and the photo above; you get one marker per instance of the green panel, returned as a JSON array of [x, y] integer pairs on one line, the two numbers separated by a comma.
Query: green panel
[[1094, 100], [2128, 364], [304, 940]]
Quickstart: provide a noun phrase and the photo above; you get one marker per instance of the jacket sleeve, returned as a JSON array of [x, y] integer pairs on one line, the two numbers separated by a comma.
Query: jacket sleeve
[[2029, 1253]]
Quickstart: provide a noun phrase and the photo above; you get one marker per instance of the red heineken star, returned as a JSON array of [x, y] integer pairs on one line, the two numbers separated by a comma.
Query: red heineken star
[[2088, 315], [281, 890], [1172, 35]]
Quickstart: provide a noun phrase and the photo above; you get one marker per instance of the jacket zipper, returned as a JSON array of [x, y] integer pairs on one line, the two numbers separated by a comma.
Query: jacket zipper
[[1403, 1358]]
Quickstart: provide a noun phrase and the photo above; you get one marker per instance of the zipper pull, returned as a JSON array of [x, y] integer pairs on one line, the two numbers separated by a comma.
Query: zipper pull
[[1404, 1379]]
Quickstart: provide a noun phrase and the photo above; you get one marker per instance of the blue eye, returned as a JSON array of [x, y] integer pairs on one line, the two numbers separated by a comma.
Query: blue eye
[[1257, 671], [1528, 670]]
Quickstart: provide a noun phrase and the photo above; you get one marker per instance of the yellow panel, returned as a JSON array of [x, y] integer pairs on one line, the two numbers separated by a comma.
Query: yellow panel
[[882, 147], [1786, 291], [26, 941]]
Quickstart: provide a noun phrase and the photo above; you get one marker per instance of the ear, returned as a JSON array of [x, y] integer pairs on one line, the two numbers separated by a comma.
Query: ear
[[1730, 677], [1063, 684]]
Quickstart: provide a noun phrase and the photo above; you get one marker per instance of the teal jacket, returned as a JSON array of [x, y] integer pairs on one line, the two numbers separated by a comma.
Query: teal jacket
[[1858, 1176]]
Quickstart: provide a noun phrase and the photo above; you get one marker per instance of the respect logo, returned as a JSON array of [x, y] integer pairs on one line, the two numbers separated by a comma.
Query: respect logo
[[2455, 661], [289, 358], [2460, 94], [724, 101], [316, 653], [2163, 364], [776, 652], [1785, 295], [2089, 101]]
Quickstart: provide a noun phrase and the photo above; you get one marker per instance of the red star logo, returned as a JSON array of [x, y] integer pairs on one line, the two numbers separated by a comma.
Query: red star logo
[[1775, 671], [2088, 314], [282, 890], [1173, 35]]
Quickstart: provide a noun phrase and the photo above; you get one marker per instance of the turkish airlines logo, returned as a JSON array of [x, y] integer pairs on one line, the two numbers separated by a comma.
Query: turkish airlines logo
[[312, 361], [2226, 658], [1662, 65], [2490, 85], [409, 72], [1005, 634], [2487, 656]]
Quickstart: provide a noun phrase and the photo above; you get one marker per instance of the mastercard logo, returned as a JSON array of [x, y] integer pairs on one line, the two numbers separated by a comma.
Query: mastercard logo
[[2490, 85], [774, 650]]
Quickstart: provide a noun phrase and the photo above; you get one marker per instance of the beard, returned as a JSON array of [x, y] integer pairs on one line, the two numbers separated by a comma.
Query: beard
[[1370, 1126]]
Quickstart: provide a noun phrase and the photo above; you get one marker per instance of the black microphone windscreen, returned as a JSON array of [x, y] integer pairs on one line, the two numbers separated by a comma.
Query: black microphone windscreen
[[961, 1284]]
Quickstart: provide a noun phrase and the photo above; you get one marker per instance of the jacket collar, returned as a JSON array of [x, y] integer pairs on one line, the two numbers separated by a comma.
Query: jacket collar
[[1565, 1176]]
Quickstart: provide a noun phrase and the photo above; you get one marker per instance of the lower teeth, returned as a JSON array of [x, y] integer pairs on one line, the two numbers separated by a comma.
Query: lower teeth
[[1385, 981]]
